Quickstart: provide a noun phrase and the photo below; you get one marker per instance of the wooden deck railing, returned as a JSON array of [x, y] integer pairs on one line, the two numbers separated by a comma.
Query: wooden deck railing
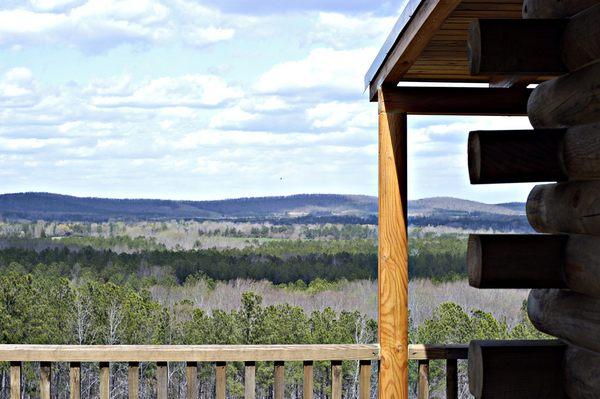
[[191, 355]]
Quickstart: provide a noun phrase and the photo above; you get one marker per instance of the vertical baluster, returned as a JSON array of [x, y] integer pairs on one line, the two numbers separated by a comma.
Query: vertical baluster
[[133, 380], [423, 390], [45, 377], [104, 380], [15, 380], [221, 384], [279, 385], [75, 380], [365, 379], [336, 379], [308, 380], [162, 380], [191, 379], [250, 380], [451, 379]]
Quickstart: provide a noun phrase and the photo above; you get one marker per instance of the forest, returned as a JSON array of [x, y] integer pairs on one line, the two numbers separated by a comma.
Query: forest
[[229, 282]]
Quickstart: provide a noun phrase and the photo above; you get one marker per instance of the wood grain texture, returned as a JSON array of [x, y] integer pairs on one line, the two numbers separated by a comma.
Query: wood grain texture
[[516, 260], [451, 379], [307, 383], [456, 101], [581, 372], [186, 353], [15, 380], [75, 380], [133, 380], [221, 380], [565, 314], [364, 379], [191, 379], [517, 47], [393, 254], [336, 379], [423, 384], [566, 101], [250, 380], [279, 380], [162, 380], [515, 156], [516, 369], [45, 379], [433, 352], [104, 380], [555, 8], [580, 41], [424, 23]]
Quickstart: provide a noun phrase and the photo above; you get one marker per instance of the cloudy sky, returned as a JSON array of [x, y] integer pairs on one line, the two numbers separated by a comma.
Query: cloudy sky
[[204, 99]]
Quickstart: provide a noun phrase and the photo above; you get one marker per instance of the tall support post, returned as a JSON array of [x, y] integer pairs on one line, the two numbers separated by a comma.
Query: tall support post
[[393, 253]]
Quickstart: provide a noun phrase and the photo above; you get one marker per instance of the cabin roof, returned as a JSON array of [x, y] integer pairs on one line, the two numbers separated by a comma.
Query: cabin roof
[[429, 43]]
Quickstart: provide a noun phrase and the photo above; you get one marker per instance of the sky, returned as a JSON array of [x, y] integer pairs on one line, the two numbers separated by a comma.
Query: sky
[[210, 99]]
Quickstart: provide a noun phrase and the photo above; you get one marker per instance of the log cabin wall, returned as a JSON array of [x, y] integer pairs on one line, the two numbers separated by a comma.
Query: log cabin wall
[[562, 266]]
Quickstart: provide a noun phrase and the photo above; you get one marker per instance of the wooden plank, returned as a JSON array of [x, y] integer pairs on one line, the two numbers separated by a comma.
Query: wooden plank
[[580, 44], [516, 369], [15, 380], [412, 40], [364, 379], [393, 252], [75, 380], [133, 380], [104, 380], [45, 378], [221, 380], [336, 379], [423, 387], [279, 380], [186, 353], [307, 383], [451, 379], [433, 352], [456, 101], [162, 380], [250, 380], [191, 379]]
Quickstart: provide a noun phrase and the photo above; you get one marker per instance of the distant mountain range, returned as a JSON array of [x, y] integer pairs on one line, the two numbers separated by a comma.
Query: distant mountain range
[[447, 211]]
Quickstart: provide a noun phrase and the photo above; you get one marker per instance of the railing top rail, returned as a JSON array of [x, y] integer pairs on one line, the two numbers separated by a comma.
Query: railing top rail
[[186, 353], [217, 353], [433, 352]]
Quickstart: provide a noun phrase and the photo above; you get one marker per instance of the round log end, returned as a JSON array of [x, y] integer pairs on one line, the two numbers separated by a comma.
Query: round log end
[[474, 157], [537, 9], [535, 209], [474, 47], [474, 260], [474, 370]]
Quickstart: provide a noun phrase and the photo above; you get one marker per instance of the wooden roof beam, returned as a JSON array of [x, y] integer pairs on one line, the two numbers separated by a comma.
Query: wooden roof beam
[[455, 100], [409, 41]]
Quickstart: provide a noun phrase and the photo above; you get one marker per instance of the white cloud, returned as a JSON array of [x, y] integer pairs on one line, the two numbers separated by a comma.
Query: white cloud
[[97, 25], [343, 31]]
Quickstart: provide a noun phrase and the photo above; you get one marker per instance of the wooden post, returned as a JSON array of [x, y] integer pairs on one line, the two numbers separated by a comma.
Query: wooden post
[[336, 379], [423, 388], [279, 381], [307, 386], [250, 380], [104, 380], [162, 380], [393, 253], [75, 380], [15, 380], [45, 378], [365, 379], [133, 380], [221, 380], [191, 379], [451, 379]]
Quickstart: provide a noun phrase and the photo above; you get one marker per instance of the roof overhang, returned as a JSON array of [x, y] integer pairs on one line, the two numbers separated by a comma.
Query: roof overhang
[[429, 44]]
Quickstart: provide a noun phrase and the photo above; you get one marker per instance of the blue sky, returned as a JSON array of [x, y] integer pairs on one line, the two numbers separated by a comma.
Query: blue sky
[[191, 99]]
